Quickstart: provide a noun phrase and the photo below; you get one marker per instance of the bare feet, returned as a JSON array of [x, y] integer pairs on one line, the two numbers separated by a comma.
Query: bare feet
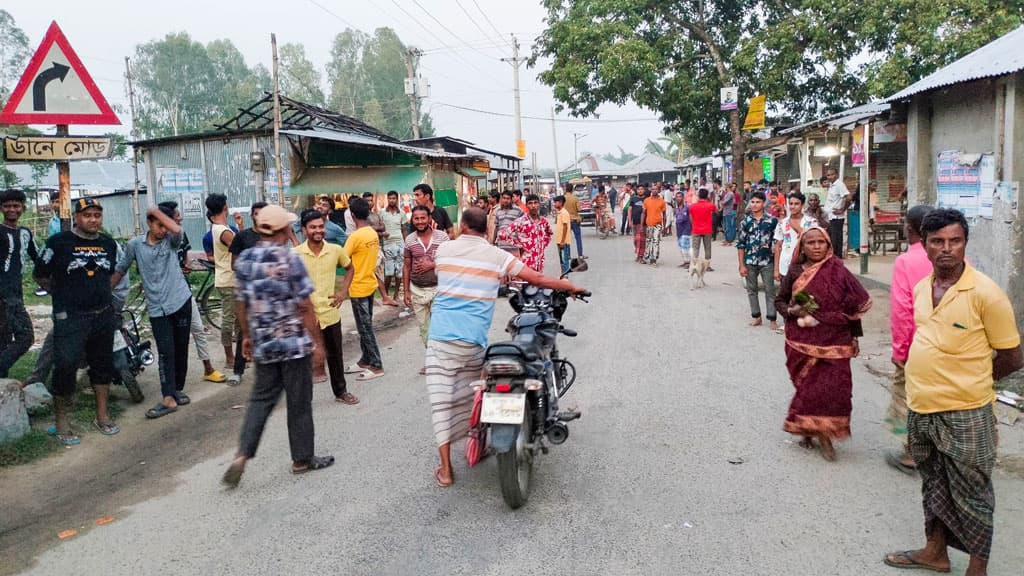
[[755, 322], [827, 451], [774, 325]]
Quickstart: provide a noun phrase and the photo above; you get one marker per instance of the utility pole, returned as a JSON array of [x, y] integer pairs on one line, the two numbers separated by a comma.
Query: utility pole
[[411, 90], [135, 152], [515, 61], [277, 125], [576, 137], [554, 142]]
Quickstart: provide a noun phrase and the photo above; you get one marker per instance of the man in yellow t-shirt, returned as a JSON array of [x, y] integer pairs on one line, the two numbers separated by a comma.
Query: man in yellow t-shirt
[[572, 205], [966, 339], [562, 224], [363, 248], [322, 260]]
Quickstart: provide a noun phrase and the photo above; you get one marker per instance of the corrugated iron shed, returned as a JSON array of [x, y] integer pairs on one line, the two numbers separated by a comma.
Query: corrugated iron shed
[[369, 141], [841, 119], [1002, 56]]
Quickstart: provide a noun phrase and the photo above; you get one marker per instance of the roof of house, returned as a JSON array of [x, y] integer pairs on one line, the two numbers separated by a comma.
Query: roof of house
[[364, 140], [1002, 56], [842, 119], [440, 140], [647, 163], [594, 165]]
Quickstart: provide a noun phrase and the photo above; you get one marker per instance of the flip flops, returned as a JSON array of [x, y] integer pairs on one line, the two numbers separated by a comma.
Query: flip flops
[[182, 399], [368, 375], [233, 475], [895, 459], [68, 438], [442, 483], [159, 411], [106, 428], [347, 398], [355, 368], [314, 463], [215, 376], [905, 561]]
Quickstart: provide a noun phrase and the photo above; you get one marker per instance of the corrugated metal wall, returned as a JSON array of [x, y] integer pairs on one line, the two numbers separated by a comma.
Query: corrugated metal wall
[[118, 214]]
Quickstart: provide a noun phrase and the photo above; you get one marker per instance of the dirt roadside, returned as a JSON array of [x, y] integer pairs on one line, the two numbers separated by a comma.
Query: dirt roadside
[[102, 476]]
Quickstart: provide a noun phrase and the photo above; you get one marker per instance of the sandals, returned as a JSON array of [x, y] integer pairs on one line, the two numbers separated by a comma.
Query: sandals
[[905, 561], [314, 463], [216, 376], [442, 483], [355, 368], [347, 398], [368, 375], [895, 459], [182, 399], [233, 475], [106, 428], [159, 411]]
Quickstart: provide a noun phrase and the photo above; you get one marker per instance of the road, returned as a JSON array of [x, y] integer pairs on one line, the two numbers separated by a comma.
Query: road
[[673, 386]]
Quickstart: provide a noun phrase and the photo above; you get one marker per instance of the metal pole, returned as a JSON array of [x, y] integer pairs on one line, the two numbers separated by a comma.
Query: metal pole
[[277, 125], [135, 152], [865, 200], [554, 142], [410, 73], [64, 186]]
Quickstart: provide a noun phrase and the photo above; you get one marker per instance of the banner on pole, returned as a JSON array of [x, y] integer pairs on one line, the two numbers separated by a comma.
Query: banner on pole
[[730, 98], [755, 115], [859, 152]]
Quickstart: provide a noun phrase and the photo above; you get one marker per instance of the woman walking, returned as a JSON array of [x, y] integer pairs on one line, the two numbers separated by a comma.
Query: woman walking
[[822, 303]]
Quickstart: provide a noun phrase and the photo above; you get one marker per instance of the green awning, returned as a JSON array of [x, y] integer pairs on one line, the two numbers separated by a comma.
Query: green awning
[[472, 173], [356, 180]]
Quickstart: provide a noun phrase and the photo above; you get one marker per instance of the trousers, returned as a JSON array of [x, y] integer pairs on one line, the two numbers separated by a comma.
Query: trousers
[[362, 310], [766, 274], [17, 335], [295, 379], [333, 358]]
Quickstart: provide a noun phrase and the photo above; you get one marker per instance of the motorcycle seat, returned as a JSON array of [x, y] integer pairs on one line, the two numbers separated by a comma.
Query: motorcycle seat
[[525, 347]]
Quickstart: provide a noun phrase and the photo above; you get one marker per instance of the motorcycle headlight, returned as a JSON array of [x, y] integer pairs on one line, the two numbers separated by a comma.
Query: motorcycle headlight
[[504, 367]]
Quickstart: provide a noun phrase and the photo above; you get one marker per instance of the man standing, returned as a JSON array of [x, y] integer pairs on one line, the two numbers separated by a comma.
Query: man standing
[[362, 248], [627, 195], [613, 196], [322, 260], [684, 228], [504, 215], [418, 274], [562, 223], [909, 269], [635, 219], [727, 205], [333, 232], [754, 248], [701, 215], [653, 217], [169, 300], [242, 241], [280, 333], [836, 202], [966, 340], [469, 272], [788, 232], [75, 267], [517, 199], [530, 233], [572, 204], [423, 194], [224, 276], [394, 235], [16, 335]]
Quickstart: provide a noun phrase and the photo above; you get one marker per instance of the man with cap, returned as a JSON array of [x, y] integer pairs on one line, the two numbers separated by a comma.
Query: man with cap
[[280, 333], [76, 267]]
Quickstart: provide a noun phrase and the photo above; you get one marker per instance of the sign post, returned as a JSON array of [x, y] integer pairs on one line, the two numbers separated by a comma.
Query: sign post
[[62, 93]]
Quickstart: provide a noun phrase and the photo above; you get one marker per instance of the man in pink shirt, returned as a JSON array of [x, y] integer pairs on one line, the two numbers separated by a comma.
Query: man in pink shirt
[[909, 269]]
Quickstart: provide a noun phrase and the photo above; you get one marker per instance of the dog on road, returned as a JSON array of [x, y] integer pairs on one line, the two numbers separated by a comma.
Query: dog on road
[[698, 266]]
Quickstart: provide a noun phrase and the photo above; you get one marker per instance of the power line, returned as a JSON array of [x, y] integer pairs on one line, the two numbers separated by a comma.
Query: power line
[[471, 19], [544, 118], [447, 29], [493, 27], [325, 9], [438, 38]]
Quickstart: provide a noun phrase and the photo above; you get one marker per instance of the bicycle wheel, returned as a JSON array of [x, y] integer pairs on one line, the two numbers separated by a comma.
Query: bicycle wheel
[[210, 304]]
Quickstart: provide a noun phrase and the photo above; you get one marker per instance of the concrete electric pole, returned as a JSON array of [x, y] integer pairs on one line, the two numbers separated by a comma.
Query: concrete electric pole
[[412, 89], [515, 61]]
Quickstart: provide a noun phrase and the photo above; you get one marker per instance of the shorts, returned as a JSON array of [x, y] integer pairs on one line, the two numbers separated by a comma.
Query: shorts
[[684, 242], [393, 258]]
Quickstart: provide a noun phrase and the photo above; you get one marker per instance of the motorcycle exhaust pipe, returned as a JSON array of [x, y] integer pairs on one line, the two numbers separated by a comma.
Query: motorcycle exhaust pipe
[[558, 433]]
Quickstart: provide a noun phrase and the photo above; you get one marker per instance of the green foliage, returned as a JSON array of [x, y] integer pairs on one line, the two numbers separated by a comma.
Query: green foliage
[[299, 79], [427, 126], [623, 157], [14, 53], [30, 447]]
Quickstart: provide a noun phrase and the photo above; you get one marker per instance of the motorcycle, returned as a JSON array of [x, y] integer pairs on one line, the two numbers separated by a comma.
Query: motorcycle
[[524, 378], [605, 222], [131, 355]]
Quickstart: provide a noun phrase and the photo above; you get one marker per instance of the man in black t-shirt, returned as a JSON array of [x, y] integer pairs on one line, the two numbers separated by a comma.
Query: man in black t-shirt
[[18, 248], [76, 267], [423, 194], [244, 240]]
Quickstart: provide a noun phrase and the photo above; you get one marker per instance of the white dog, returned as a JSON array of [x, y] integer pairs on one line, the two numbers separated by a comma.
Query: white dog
[[698, 266]]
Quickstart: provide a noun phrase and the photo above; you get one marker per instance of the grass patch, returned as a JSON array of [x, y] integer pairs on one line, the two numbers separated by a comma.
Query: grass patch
[[30, 447], [24, 366]]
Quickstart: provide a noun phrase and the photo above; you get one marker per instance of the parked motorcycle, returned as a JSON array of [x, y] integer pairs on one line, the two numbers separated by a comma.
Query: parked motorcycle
[[525, 377], [131, 355]]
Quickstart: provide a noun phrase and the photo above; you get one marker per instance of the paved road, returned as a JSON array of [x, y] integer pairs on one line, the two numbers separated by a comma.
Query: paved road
[[673, 384]]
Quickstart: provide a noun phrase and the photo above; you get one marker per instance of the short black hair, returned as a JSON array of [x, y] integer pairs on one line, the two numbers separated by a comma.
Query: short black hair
[[392, 193], [559, 199], [169, 204], [12, 195], [532, 198], [759, 195], [916, 216], [425, 189], [257, 206], [702, 193], [939, 218], [359, 208], [798, 195], [506, 193], [309, 215], [215, 204], [475, 219], [367, 194], [419, 208], [517, 192]]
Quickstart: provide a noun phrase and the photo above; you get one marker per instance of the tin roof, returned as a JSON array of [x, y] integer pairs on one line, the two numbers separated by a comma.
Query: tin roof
[[841, 119], [94, 176], [1002, 56], [371, 142]]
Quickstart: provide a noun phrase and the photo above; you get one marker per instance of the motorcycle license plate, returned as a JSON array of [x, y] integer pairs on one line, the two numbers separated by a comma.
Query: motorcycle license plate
[[502, 408], [119, 342]]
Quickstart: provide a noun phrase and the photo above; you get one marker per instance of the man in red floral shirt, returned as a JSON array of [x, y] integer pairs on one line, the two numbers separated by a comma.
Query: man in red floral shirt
[[530, 233]]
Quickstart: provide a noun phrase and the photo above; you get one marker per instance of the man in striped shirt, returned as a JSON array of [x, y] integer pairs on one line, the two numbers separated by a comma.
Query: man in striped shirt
[[469, 271]]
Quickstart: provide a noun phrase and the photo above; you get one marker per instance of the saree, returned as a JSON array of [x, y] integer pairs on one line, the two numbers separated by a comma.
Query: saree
[[818, 357]]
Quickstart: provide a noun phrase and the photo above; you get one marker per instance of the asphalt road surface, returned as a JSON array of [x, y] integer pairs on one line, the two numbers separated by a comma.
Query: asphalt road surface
[[674, 388]]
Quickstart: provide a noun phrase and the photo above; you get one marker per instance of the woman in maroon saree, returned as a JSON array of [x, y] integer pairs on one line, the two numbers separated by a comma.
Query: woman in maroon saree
[[820, 290]]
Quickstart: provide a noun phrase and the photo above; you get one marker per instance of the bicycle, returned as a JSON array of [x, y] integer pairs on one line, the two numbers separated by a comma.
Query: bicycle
[[207, 297]]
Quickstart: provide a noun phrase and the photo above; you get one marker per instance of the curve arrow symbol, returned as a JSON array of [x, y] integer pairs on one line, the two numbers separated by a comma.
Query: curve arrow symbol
[[57, 72]]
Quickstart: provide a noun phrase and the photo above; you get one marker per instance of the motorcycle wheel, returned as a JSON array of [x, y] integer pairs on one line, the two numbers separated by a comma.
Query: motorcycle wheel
[[515, 467], [129, 381]]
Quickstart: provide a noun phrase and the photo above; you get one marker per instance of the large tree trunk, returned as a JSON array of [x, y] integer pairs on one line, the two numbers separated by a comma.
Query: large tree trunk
[[738, 147]]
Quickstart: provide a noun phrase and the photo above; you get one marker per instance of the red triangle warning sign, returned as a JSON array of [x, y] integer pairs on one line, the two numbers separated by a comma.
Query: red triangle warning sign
[[56, 89]]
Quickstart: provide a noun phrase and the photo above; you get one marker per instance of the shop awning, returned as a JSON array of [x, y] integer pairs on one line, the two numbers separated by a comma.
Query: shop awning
[[471, 173], [357, 180]]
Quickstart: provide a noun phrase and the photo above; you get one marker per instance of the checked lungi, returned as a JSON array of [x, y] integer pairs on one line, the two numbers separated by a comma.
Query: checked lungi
[[955, 452], [451, 367]]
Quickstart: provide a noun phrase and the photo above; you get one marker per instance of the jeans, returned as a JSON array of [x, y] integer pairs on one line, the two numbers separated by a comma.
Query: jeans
[[333, 358], [577, 231], [564, 257], [704, 239], [625, 222], [729, 223], [835, 233], [199, 333], [44, 361], [82, 334], [716, 224], [16, 337], [362, 311], [171, 333], [766, 274], [295, 379]]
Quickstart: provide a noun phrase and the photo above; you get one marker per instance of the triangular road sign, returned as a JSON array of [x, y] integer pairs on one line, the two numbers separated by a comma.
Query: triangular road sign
[[56, 89]]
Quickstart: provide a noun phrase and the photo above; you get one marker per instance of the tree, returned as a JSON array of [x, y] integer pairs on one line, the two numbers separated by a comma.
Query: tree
[[427, 126], [236, 84], [299, 79], [373, 114], [14, 54], [623, 157], [345, 71]]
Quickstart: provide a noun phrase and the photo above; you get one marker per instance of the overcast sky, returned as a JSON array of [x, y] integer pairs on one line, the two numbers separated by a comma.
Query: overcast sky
[[467, 73]]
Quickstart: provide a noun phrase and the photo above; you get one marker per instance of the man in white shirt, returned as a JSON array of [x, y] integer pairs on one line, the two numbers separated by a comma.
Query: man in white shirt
[[788, 231], [836, 202]]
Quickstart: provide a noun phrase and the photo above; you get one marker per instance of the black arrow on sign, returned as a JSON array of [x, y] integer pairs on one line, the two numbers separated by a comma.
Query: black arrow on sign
[[58, 72]]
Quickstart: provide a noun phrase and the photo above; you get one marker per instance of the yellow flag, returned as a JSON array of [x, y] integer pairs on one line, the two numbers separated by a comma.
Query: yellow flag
[[755, 115]]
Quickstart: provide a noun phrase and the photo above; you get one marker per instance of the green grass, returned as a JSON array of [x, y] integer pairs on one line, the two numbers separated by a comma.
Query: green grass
[[30, 447]]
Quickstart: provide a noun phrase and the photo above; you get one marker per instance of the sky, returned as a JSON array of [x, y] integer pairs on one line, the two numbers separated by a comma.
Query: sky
[[462, 63]]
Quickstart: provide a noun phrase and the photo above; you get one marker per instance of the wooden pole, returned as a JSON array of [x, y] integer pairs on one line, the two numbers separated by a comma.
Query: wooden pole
[[64, 185], [277, 126], [135, 152]]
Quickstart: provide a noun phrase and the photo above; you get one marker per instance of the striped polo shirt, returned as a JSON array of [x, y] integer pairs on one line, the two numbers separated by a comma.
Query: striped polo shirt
[[469, 271]]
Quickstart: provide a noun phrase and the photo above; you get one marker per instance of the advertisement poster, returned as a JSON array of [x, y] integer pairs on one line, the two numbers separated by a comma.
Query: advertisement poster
[[730, 98], [988, 186], [889, 133], [857, 152], [958, 182]]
